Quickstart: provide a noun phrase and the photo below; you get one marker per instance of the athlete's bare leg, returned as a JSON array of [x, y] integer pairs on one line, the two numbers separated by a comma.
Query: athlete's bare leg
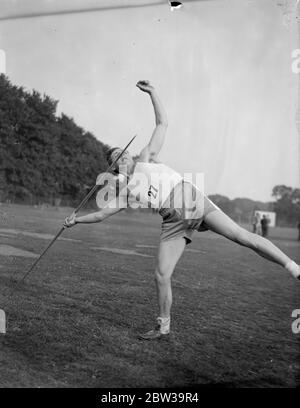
[[220, 223], [169, 253]]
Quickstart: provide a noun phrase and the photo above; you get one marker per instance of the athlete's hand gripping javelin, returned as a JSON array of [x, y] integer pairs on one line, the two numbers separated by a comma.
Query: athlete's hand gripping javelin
[[70, 221]]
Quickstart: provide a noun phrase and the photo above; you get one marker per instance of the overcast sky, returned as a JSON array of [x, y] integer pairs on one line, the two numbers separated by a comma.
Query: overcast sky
[[221, 67]]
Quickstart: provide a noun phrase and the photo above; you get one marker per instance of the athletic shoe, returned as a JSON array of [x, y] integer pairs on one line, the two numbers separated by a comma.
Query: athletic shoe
[[294, 269], [154, 334], [298, 276]]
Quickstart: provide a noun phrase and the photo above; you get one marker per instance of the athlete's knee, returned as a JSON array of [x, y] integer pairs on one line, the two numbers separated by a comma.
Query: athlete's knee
[[163, 274]]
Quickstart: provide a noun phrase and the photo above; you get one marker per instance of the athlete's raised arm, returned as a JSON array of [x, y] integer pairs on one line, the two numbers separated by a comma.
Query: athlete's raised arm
[[152, 149]]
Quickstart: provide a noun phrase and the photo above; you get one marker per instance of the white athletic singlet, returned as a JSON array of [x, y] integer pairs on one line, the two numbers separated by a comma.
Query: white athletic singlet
[[151, 184]]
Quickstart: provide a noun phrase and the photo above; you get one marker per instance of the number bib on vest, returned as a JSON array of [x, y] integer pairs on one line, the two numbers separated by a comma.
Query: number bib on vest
[[151, 184]]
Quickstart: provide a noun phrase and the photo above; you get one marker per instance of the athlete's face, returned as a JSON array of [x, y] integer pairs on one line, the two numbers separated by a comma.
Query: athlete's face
[[125, 160]]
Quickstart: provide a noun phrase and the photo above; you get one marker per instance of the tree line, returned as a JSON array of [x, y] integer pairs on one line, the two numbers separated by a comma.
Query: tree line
[[44, 158], [286, 205]]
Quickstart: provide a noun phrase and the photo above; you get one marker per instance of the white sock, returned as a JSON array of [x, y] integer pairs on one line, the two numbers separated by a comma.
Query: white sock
[[293, 268], [164, 323]]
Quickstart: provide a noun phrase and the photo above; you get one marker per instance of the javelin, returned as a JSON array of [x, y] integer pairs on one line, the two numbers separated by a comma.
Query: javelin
[[86, 198]]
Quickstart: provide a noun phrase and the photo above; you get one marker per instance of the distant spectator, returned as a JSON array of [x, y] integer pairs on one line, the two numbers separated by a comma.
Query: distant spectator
[[258, 225], [264, 222], [255, 223], [299, 231]]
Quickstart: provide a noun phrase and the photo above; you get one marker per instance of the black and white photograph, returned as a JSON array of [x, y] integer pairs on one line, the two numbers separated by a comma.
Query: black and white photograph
[[149, 197]]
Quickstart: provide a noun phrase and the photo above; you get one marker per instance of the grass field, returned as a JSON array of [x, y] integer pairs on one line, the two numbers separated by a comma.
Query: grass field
[[75, 321]]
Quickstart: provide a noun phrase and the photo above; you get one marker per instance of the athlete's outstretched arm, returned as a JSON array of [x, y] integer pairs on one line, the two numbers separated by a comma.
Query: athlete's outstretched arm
[[161, 123], [112, 208]]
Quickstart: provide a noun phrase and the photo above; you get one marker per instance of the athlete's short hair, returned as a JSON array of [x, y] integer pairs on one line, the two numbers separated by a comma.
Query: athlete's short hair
[[109, 153]]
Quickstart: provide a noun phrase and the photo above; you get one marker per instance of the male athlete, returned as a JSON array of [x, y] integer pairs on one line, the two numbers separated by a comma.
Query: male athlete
[[181, 216]]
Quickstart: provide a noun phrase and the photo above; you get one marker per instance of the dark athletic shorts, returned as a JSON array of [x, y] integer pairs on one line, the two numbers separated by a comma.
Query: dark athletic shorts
[[183, 220]]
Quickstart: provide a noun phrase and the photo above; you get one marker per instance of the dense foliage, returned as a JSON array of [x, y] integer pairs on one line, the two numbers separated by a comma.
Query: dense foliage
[[287, 205], [43, 157]]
